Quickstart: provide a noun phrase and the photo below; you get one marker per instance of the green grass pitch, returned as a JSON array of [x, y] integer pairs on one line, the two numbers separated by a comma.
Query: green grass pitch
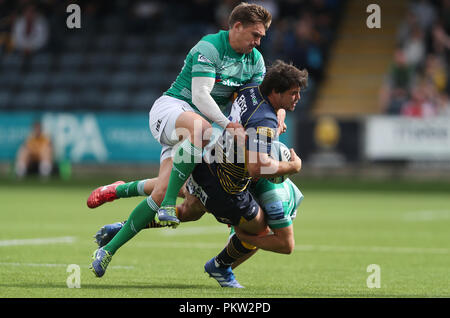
[[341, 229]]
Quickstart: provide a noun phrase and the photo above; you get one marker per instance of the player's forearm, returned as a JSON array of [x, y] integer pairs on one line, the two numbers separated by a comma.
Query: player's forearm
[[201, 97], [271, 242], [266, 167]]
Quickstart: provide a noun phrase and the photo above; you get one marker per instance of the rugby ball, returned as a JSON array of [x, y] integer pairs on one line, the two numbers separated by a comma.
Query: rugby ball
[[279, 152]]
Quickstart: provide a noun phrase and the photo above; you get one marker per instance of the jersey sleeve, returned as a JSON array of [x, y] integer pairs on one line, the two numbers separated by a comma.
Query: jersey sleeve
[[261, 132], [275, 200], [204, 59]]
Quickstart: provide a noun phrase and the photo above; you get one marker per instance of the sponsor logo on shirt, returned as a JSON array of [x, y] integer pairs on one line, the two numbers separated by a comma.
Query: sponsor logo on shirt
[[201, 58], [265, 131]]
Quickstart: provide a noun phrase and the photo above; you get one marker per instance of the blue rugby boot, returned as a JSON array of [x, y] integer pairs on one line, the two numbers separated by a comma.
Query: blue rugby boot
[[101, 261], [167, 215], [224, 276], [107, 232]]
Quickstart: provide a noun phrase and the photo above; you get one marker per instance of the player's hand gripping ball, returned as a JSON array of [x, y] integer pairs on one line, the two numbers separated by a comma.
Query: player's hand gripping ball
[[280, 152]]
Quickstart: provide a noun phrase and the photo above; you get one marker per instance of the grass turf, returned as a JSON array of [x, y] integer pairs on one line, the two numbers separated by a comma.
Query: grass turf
[[341, 228]]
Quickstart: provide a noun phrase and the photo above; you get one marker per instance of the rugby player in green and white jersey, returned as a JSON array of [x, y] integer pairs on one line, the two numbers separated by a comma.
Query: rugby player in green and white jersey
[[213, 69]]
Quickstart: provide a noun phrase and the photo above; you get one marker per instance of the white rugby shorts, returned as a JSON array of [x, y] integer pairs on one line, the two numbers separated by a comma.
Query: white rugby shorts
[[162, 118]]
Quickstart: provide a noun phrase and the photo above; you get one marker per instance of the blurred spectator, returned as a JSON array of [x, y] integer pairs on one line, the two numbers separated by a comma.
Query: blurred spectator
[[425, 13], [425, 41], [440, 38], [435, 72], [421, 103], [36, 151], [270, 5], [144, 15], [443, 106], [223, 11], [7, 15], [406, 26], [303, 47], [30, 31], [198, 18], [445, 15], [397, 84], [414, 47]]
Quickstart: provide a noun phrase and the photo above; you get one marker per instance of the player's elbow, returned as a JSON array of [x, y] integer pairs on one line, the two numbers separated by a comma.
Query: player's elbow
[[288, 247]]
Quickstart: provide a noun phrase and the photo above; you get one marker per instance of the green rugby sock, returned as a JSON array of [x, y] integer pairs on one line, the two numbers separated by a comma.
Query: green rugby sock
[[131, 189], [141, 216], [186, 157]]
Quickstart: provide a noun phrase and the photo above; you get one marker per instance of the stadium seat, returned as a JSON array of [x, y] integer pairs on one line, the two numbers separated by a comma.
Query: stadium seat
[[134, 43], [166, 42], [34, 80], [144, 99], [27, 100], [77, 42], [57, 100], [116, 100], [93, 79], [71, 61], [64, 79], [9, 79], [11, 62], [89, 99], [112, 23], [5, 97], [107, 42], [130, 61], [149, 81], [100, 60], [158, 62], [42, 62], [123, 80]]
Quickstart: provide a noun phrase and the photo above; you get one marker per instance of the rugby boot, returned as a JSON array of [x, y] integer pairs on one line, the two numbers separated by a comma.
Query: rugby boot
[[103, 194], [107, 232], [167, 215], [224, 276], [101, 261]]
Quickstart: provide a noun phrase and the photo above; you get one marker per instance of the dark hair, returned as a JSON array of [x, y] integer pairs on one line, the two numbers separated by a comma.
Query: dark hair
[[282, 76], [250, 14]]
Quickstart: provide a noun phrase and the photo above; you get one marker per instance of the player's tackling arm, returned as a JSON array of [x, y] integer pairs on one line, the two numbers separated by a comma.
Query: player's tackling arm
[[281, 241], [201, 97]]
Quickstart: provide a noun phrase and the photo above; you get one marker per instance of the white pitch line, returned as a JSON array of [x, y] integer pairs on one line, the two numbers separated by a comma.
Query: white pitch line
[[195, 230], [56, 265], [427, 215], [373, 249], [39, 241], [306, 248]]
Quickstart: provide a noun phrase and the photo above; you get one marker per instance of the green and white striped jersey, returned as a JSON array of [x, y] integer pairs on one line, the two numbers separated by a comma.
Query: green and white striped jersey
[[213, 57], [279, 201]]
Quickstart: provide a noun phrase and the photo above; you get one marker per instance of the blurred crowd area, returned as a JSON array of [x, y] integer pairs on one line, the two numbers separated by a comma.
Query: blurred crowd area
[[418, 81], [127, 53]]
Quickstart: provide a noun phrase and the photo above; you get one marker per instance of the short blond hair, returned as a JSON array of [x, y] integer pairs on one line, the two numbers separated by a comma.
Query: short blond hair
[[247, 13]]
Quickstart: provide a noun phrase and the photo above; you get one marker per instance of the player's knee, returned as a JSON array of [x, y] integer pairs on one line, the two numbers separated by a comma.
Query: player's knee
[[158, 194]]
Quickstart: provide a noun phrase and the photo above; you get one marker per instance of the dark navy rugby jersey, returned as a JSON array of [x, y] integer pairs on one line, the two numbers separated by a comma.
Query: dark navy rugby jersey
[[253, 111]]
